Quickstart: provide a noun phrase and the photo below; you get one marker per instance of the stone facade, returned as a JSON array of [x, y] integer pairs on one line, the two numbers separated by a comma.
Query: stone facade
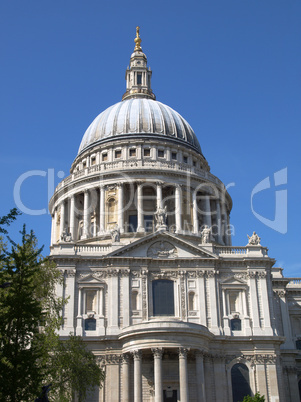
[[141, 232]]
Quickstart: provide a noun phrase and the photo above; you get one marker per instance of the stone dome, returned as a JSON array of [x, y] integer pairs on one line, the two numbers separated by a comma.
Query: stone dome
[[141, 117]]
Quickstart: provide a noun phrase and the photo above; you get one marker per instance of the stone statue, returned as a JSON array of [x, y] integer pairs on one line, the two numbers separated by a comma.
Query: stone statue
[[254, 240], [160, 216], [115, 234], [206, 234], [66, 236]]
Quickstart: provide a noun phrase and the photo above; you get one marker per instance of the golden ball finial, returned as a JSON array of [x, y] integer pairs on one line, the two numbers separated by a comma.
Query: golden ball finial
[[137, 41]]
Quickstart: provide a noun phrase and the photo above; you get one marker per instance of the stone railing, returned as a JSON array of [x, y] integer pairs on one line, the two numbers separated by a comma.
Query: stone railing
[[70, 249], [249, 251], [141, 165], [93, 249], [294, 283], [230, 250]]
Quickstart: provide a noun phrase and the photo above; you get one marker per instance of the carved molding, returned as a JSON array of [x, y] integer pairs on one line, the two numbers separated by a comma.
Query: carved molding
[[157, 352], [137, 354], [183, 353], [113, 359]]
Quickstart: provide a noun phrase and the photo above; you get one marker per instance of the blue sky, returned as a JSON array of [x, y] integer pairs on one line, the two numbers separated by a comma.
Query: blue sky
[[231, 68]]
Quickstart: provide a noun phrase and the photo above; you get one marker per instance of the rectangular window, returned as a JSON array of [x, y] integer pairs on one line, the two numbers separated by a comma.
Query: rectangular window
[[160, 153], [91, 301], [194, 163], [84, 164], [185, 159], [133, 223], [133, 152], [233, 301], [148, 223], [174, 156], [139, 79], [163, 297], [146, 152], [118, 154], [93, 161], [104, 157]]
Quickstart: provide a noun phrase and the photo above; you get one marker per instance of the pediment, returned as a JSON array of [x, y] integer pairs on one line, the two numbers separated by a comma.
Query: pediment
[[232, 281], [163, 245], [89, 280]]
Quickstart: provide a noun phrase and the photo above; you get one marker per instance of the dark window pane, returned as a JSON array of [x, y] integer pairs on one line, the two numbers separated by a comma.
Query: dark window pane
[[236, 324], [90, 324], [298, 344], [240, 382], [139, 79], [170, 395], [148, 223], [163, 297], [133, 223]]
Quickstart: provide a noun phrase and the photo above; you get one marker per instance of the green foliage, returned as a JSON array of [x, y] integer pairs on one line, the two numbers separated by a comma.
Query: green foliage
[[78, 373], [8, 219], [31, 353], [256, 398]]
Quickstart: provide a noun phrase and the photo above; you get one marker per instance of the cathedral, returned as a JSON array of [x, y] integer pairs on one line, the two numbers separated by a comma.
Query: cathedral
[[141, 232]]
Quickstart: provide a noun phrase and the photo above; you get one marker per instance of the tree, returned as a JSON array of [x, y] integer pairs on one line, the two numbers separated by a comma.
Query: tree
[[256, 398], [31, 353], [8, 219]]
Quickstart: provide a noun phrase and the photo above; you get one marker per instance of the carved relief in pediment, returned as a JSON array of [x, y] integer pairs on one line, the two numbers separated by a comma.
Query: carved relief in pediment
[[162, 249]]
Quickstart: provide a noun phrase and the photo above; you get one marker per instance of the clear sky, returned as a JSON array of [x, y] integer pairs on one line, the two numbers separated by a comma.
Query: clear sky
[[232, 68]]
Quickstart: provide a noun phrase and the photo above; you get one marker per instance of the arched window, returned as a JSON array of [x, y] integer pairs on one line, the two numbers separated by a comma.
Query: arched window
[[191, 301], [134, 300], [163, 297], [240, 382]]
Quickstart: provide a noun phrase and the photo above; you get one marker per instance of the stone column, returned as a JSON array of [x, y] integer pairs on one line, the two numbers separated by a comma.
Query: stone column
[[225, 315], [254, 303], [292, 377], [140, 223], [79, 318], [178, 208], [228, 232], [261, 378], [200, 377], [183, 375], [72, 217], [137, 376], [101, 209], [207, 211], [288, 344], [126, 377], [159, 196], [86, 222], [195, 213], [247, 328], [221, 386], [158, 374], [202, 298], [213, 303], [62, 223], [265, 304], [120, 208], [219, 222], [55, 227]]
